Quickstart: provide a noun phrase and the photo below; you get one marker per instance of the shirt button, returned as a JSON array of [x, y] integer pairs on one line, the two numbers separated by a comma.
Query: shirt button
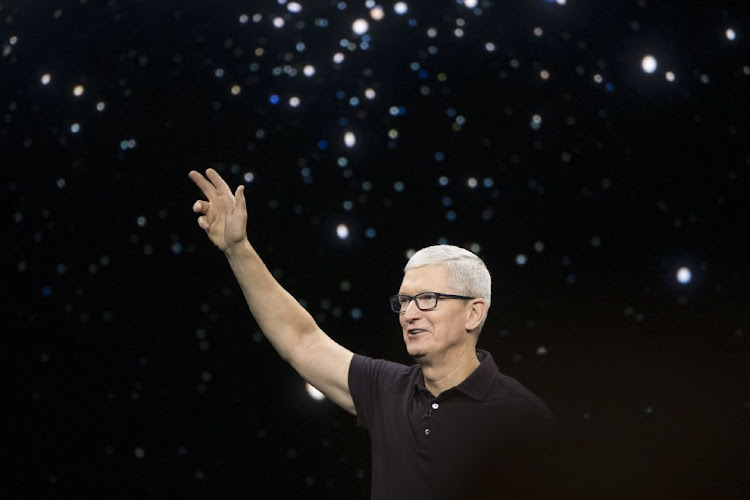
[[427, 432], [435, 406]]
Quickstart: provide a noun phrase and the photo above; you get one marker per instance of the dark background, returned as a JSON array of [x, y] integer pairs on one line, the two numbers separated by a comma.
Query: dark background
[[135, 367]]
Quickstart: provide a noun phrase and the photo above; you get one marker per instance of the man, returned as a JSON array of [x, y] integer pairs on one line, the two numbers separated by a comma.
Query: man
[[451, 426]]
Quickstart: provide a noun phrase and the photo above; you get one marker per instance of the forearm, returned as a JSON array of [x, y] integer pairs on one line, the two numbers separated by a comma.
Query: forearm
[[284, 322]]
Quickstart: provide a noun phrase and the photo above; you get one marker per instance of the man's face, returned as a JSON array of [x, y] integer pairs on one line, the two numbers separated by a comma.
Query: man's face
[[433, 335]]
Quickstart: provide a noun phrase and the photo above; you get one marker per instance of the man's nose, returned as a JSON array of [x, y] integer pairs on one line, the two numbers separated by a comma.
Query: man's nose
[[411, 310]]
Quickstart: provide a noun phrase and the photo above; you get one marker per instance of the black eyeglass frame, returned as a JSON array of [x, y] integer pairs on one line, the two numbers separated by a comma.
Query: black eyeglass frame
[[396, 300]]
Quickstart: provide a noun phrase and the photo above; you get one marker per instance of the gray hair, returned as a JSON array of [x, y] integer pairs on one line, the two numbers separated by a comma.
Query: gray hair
[[467, 273]]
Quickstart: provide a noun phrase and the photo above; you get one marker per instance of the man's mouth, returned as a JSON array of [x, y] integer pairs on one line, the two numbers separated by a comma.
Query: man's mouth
[[414, 332]]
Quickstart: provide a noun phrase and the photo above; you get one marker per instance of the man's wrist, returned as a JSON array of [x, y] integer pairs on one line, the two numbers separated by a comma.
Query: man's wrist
[[240, 249]]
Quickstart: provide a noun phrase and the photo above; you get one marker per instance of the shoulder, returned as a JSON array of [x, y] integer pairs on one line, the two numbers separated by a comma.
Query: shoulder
[[506, 389], [380, 372]]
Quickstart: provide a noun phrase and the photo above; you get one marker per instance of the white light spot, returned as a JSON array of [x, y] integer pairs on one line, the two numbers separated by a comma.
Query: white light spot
[[370, 94], [684, 275], [470, 3], [541, 350], [278, 22], [308, 70], [314, 393], [338, 58], [294, 7], [75, 128], [538, 31], [669, 76], [400, 8], [520, 259], [46, 78], [294, 101], [649, 64], [342, 231], [101, 106], [236, 89], [360, 27], [489, 47], [78, 90], [561, 2], [377, 13], [730, 34], [350, 139]]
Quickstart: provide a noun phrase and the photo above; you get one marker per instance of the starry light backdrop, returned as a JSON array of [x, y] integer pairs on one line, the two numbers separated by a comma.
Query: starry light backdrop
[[594, 153]]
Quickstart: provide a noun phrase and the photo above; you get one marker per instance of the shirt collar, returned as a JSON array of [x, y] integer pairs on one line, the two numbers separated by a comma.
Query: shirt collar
[[477, 384]]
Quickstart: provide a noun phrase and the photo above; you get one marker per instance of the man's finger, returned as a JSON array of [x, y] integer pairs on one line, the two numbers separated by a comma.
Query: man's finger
[[200, 206], [221, 186], [239, 198], [208, 189], [203, 222]]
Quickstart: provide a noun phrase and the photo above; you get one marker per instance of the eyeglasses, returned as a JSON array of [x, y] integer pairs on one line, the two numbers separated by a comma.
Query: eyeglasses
[[425, 301]]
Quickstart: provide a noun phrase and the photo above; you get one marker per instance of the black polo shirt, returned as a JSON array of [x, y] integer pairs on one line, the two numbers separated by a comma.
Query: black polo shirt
[[481, 439]]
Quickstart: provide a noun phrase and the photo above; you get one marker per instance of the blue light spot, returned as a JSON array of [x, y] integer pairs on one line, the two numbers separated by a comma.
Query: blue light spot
[[414, 66], [401, 110], [446, 201], [343, 121], [443, 180], [450, 112], [439, 156], [340, 94], [46, 290], [322, 144], [357, 313], [370, 233], [354, 101], [398, 186], [176, 248], [412, 22], [488, 183], [274, 99], [609, 87], [423, 74], [450, 215]]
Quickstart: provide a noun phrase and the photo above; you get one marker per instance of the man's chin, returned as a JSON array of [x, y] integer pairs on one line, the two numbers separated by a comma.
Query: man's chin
[[416, 353]]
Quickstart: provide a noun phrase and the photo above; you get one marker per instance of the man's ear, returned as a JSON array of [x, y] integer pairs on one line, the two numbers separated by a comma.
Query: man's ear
[[475, 314]]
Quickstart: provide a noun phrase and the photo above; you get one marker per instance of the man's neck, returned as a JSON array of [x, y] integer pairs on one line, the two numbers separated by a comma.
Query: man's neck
[[448, 373]]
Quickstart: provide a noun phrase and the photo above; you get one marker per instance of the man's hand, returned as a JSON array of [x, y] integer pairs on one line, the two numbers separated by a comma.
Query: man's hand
[[224, 215]]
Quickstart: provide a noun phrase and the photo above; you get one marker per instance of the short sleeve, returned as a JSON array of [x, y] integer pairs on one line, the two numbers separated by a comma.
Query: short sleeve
[[370, 383]]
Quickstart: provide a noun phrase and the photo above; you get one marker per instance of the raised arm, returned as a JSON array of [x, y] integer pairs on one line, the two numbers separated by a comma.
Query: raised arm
[[285, 323]]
